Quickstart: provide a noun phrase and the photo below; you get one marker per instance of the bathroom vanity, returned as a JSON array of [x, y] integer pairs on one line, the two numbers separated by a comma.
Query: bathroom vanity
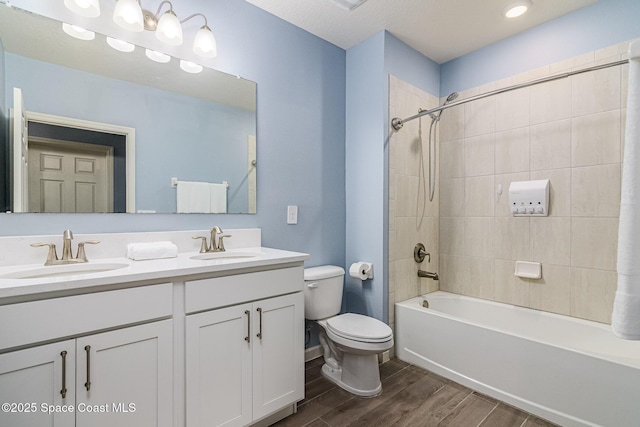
[[173, 342]]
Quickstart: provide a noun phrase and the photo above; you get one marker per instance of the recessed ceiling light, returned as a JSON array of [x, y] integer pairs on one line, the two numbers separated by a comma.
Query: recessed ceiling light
[[348, 4], [517, 8]]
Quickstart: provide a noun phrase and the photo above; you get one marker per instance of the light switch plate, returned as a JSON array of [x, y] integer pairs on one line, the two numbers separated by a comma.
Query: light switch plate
[[292, 214]]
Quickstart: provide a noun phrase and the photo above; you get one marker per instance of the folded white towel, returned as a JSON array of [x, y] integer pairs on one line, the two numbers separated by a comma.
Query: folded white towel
[[218, 193], [151, 250], [193, 197]]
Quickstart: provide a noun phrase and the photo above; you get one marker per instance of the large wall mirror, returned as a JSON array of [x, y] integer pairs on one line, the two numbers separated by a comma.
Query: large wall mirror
[[160, 139]]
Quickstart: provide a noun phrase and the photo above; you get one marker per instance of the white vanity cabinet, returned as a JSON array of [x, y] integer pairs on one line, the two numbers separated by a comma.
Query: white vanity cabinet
[[244, 361], [119, 377], [34, 377]]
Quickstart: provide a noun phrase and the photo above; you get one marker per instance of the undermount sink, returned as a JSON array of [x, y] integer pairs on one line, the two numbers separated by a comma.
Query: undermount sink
[[63, 270], [225, 255]]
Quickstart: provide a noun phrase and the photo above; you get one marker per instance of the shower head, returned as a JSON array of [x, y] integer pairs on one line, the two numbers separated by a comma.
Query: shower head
[[452, 97], [449, 99]]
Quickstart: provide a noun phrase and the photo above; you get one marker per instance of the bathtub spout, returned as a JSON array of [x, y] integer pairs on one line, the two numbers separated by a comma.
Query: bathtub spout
[[428, 274]]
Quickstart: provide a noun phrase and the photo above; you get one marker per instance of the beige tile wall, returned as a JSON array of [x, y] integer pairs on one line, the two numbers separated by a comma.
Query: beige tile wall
[[412, 217], [569, 131]]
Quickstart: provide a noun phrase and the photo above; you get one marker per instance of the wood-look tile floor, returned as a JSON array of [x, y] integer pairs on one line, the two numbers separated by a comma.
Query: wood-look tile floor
[[410, 396]]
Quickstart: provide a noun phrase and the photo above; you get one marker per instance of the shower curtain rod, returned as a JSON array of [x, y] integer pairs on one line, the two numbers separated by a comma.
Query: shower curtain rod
[[397, 123]]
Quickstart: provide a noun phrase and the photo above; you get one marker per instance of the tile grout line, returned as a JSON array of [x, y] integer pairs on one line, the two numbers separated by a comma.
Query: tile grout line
[[487, 416]]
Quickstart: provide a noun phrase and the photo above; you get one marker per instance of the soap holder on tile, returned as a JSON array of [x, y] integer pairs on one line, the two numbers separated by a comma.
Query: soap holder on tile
[[528, 270]]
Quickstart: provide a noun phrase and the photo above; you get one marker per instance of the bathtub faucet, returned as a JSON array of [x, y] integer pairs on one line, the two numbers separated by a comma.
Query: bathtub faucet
[[428, 274]]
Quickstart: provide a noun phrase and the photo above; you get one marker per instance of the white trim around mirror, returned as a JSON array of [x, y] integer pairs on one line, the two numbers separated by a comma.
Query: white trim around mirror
[[130, 141]]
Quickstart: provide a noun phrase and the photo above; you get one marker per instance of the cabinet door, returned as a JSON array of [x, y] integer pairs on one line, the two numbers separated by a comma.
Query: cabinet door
[[33, 380], [278, 353], [218, 372], [125, 377]]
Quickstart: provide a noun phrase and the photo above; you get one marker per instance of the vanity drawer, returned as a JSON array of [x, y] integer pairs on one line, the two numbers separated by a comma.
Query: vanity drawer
[[46, 320], [207, 294]]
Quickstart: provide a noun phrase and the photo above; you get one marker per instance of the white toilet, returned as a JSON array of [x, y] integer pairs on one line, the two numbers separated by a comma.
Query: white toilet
[[351, 342]]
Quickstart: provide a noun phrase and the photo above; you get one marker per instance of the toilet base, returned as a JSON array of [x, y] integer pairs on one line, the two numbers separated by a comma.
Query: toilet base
[[359, 374]]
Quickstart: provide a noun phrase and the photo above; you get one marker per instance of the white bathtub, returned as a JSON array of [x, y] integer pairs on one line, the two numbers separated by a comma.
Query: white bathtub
[[570, 371]]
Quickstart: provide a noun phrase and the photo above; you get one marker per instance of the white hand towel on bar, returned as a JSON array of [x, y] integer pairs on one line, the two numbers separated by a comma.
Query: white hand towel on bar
[[218, 194], [193, 197], [151, 250], [625, 320]]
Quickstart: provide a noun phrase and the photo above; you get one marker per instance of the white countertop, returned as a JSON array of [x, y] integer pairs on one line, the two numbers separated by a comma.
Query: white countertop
[[136, 271]]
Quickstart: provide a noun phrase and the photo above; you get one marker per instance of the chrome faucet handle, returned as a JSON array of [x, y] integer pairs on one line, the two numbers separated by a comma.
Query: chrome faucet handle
[[203, 245], [52, 255], [82, 256], [215, 231], [67, 236], [220, 246]]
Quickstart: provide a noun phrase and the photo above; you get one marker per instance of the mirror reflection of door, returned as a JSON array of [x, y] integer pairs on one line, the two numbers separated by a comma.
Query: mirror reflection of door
[[70, 176], [77, 165]]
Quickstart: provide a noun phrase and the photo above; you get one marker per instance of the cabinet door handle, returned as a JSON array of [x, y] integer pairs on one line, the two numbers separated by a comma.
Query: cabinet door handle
[[259, 335], [87, 385], [63, 392], [248, 337]]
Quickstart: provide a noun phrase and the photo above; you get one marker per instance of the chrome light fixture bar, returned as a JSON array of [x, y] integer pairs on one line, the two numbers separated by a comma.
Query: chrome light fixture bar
[[130, 15]]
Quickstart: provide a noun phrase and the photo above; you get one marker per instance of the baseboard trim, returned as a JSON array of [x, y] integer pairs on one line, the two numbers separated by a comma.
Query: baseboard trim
[[312, 353]]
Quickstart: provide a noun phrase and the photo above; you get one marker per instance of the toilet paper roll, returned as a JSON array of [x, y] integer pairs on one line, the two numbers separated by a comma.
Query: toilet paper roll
[[361, 270]]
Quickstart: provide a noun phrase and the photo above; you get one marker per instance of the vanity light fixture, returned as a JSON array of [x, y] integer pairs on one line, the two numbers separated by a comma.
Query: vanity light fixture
[[130, 15], [154, 55], [86, 8], [78, 32], [120, 45], [190, 67], [517, 8]]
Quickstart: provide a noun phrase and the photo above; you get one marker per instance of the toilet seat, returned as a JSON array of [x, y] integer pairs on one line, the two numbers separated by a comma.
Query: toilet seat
[[357, 327]]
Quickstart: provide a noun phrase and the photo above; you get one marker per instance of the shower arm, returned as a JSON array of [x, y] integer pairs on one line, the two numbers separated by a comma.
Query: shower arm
[[397, 123]]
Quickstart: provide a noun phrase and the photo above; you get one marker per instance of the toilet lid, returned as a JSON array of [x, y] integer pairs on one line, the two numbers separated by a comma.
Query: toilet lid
[[360, 328]]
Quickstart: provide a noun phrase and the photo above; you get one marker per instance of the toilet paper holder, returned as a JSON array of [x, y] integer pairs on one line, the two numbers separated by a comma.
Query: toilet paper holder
[[361, 270]]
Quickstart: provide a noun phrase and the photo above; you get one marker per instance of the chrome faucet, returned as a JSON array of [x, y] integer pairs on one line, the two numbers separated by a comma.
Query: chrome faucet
[[67, 256], [216, 243], [419, 254], [428, 275]]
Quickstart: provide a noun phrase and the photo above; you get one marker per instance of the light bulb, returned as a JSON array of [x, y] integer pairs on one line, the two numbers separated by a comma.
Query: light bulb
[[88, 8], [128, 15], [154, 55], [517, 8], [120, 45], [204, 43], [169, 29], [190, 67], [78, 32]]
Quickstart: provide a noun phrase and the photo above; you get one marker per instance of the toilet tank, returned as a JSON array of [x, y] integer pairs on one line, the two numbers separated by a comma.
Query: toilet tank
[[323, 291]]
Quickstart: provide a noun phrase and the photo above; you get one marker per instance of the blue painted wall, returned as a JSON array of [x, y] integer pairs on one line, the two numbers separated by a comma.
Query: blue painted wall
[[300, 133], [602, 24], [365, 164], [368, 68]]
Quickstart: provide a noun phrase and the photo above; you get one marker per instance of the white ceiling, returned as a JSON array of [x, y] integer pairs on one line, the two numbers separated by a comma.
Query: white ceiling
[[440, 29]]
